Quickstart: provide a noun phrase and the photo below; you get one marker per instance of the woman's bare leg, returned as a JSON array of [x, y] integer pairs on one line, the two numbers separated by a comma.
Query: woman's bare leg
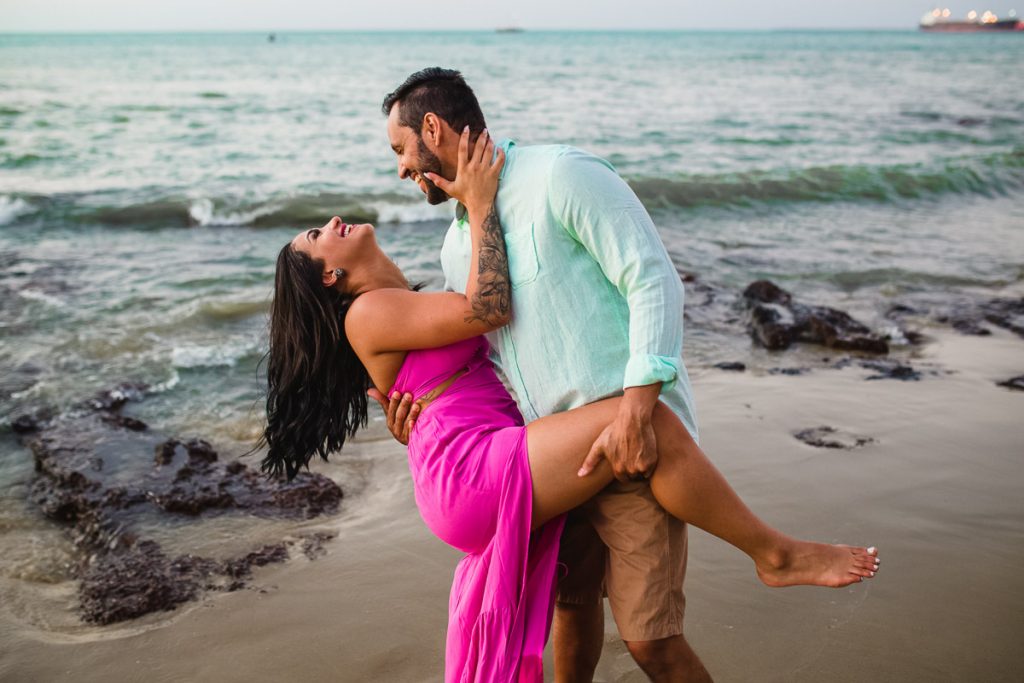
[[688, 486]]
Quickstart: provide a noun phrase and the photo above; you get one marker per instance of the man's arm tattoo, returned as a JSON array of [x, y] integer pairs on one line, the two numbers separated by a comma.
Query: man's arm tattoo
[[492, 300]]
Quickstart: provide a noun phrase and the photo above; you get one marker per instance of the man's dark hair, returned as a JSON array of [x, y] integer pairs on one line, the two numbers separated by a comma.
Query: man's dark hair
[[442, 91]]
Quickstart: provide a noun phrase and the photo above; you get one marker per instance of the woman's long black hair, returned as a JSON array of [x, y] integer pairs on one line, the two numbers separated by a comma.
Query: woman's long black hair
[[316, 385]]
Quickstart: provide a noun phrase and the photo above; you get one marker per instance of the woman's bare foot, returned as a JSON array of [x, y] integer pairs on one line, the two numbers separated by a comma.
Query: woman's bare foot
[[818, 564]]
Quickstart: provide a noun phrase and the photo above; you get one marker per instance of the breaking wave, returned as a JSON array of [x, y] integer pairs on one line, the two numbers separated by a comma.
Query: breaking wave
[[998, 174]]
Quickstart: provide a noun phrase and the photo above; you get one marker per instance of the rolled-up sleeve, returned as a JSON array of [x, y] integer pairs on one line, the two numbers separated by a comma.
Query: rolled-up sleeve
[[603, 214]]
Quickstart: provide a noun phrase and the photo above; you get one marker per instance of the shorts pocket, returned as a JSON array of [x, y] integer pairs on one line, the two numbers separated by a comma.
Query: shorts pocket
[[523, 264]]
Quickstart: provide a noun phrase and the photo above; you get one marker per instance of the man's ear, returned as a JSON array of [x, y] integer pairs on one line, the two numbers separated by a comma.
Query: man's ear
[[433, 130]]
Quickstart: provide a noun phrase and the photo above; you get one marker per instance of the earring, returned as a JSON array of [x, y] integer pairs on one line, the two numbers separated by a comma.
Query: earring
[[339, 273]]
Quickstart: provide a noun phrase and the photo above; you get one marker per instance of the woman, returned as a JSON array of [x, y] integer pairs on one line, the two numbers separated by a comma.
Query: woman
[[344, 319]]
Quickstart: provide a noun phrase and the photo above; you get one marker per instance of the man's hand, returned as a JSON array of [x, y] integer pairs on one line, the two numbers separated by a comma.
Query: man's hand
[[400, 411], [629, 442]]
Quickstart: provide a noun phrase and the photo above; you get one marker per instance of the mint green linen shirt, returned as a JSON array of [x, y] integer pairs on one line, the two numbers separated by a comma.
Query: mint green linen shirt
[[597, 305]]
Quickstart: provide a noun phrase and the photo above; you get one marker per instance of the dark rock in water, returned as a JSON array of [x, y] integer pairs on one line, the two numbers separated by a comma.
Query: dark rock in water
[[968, 326], [143, 579], [900, 310], [125, 422], [890, 369], [140, 580], [96, 471], [915, 338], [711, 307], [1005, 313], [32, 421], [830, 437], [313, 545], [1013, 383], [23, 424], [733, 366], [885, 368], [789, 371], [777, 322], [113, 399], [767, 292], [969, 121], [242, 566], [972, 317]]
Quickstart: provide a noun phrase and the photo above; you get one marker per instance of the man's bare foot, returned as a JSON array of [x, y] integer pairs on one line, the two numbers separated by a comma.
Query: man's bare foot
[[819, 564]]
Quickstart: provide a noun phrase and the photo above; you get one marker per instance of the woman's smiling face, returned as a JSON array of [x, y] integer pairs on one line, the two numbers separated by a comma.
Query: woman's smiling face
[[338, 245]]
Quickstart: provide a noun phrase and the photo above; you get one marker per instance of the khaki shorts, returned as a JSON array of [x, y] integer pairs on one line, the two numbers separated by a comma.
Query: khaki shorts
[[622, 544]]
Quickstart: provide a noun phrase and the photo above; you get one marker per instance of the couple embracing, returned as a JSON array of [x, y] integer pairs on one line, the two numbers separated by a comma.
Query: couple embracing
[[556, 277]]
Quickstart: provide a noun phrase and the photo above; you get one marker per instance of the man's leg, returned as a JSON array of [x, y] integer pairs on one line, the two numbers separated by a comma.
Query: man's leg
[[578, 629], [578, 634], [644, 580], [669, 660]]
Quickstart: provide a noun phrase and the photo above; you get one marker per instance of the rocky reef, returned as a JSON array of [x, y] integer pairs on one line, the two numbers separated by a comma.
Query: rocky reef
[[778, 322], [102, 473], [968, 315], [1016, 383], [831, 437]]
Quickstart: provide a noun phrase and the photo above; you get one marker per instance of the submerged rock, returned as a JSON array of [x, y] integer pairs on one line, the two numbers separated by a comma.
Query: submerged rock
[[1013, 383], [732, 366], [1005, 313], [830, 437], [968, 326], [313, 544], [24, 424], [884, 368], [777, 322], [139, 580], [792, 372], [103, 473], [973, 317], [890, 369]]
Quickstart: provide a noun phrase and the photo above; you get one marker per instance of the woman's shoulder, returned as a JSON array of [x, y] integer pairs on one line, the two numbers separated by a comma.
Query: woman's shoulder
[[375, 303], [372, 318]]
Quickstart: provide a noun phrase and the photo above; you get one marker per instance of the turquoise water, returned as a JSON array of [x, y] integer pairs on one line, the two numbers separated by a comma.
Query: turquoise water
[[147, 182]]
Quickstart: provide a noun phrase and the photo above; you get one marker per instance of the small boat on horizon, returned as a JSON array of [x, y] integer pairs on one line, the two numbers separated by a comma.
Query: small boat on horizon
[[938, 20], [509, 29]]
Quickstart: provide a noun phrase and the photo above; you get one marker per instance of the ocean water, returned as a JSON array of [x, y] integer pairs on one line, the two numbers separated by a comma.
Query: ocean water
[[148, 181]]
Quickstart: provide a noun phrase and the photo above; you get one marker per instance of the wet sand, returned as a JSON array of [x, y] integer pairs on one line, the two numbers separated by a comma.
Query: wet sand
[[939, 491]]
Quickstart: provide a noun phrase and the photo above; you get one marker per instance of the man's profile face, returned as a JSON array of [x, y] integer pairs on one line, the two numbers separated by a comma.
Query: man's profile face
[[414, 158]]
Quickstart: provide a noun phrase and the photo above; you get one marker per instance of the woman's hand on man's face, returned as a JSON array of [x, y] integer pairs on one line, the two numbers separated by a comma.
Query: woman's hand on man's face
[[476, 180]]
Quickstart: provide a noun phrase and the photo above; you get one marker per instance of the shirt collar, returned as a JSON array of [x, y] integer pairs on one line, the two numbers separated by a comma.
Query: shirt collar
[[505, 144]]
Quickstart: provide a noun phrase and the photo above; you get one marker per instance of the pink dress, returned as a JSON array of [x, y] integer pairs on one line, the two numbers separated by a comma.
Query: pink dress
[[473, 488]]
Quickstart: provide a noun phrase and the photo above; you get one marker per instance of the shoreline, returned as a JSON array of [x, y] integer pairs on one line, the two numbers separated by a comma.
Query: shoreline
[[936, 491]]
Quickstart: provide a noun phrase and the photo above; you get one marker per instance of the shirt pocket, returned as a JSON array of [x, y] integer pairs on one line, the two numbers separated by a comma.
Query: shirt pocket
[[523, 264]]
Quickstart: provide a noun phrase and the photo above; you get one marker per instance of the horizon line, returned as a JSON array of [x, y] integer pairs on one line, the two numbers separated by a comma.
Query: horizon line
[[495, 29]]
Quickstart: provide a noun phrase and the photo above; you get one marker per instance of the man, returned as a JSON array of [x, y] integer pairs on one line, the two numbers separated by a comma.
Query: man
[[596, 312]]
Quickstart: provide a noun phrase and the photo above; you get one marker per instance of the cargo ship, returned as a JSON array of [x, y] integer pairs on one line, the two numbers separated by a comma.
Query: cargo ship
[[939, 20]]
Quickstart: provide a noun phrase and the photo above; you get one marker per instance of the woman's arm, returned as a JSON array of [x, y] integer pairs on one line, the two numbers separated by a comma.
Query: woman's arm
[[488, 289], [397, 320]]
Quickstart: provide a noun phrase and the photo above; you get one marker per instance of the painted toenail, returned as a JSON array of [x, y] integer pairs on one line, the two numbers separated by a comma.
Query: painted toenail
[[872, 549]]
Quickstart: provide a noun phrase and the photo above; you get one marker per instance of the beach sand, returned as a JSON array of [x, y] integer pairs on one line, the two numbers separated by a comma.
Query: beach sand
[[939, 491]]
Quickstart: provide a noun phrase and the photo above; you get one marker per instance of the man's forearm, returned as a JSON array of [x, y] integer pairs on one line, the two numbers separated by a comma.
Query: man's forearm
[[640, 401]]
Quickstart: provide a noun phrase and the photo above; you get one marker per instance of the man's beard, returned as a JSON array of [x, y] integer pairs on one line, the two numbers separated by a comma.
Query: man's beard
[[429, 163]]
